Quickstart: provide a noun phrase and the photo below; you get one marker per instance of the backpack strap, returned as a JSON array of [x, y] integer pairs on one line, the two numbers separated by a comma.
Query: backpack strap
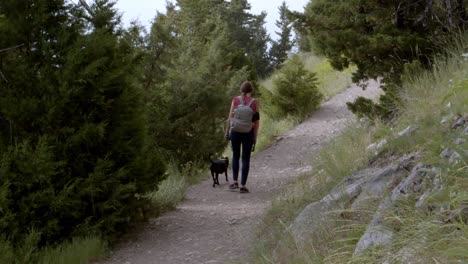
[[241, 100], [251, 101]]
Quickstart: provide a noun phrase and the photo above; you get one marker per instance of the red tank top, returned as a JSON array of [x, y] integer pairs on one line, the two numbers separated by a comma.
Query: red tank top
[[246, 99]]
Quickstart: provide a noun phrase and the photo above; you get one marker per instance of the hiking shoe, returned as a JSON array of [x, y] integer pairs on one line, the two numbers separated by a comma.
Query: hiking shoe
[[234, 186], [244, 190]]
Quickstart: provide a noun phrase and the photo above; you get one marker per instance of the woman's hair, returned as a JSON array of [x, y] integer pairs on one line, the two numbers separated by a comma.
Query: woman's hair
[[246, 87]]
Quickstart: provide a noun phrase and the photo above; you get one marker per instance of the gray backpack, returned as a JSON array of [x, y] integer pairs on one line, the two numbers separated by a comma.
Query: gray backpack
[[242, 121]]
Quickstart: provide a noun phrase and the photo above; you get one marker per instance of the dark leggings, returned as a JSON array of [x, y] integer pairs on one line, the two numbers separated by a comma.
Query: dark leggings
[[246, 140]]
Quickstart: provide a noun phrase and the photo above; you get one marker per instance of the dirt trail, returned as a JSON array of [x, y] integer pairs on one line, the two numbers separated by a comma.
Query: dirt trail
[[215, 225]]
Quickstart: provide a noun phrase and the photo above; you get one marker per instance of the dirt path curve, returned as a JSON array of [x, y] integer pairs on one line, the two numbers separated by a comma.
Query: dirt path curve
[[215, 225]]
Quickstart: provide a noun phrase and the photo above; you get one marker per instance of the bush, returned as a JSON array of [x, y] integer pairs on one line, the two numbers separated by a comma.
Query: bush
[[295, 91], [75, 155]]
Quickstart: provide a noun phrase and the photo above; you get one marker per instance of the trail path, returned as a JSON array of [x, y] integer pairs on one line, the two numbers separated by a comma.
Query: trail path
[[216, 225]]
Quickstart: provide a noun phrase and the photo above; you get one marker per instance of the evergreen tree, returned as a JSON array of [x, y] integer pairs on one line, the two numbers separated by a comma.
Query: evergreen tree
[[280, 48], [380, 37], [192, 81], [294, 92], [74, 156], [249, 35]]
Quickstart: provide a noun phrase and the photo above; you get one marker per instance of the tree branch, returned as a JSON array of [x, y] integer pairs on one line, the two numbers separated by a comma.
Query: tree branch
[[10, 48], [3, 77], [427, 13]]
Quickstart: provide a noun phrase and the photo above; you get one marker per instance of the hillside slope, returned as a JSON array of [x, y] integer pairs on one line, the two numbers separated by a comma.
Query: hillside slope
[[385, 193]]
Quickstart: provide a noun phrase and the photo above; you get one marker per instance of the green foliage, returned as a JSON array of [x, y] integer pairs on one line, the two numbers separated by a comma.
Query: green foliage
[[76, 251], [295, 90], [420, 234], [75, 152], [188, 111], [280, 48], [330, 83], [380, 37], [331, 165], [248, 34]]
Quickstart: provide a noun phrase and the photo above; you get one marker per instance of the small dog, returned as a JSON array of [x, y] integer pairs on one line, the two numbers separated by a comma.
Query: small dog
[[218, 167]]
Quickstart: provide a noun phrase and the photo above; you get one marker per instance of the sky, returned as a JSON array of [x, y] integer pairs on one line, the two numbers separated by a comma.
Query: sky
[[145, 10]]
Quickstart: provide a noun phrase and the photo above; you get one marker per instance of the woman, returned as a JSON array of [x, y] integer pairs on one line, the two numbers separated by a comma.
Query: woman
[[242, 129]]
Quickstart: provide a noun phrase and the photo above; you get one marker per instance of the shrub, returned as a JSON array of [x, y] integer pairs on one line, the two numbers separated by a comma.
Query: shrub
[[295, 90]]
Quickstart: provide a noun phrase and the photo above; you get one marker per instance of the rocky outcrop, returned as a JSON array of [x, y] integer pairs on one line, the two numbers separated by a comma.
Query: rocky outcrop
[[358, 191], [380, 187]]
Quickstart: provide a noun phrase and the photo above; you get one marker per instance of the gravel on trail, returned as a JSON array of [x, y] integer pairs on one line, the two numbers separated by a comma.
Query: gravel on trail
[[217, 225]]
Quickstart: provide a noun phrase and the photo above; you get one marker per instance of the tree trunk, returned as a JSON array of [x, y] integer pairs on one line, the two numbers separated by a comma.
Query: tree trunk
[[449, 12], [399, 16]]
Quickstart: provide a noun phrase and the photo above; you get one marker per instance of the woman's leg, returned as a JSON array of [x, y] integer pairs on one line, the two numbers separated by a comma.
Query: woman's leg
[[247, 143], [236, 146]]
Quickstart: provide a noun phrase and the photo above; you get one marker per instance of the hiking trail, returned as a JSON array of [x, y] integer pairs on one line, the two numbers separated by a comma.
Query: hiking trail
[[216, 225]]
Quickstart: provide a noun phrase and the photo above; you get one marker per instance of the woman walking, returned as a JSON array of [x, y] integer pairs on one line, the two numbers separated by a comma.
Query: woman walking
[[242, 129]]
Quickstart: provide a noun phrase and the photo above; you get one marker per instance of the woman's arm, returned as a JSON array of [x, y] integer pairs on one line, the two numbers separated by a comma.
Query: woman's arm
[[256, 124]]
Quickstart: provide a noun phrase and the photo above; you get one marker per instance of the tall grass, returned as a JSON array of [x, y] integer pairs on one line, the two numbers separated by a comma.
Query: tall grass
[[431, 102], [172, 190], [78, 251], [331, 165]]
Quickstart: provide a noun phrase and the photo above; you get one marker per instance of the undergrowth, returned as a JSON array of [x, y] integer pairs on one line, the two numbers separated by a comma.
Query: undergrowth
[[432, 102]]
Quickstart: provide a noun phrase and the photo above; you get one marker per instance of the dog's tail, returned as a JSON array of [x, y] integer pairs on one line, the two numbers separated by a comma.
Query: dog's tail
[[209, 157]]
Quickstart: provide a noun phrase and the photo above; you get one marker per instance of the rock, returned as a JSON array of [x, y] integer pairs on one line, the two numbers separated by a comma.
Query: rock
[[357, 191], [374, 189], [465, 132], [407, 131], [407, 162], [446, 153], [446, 118], [314, 217], [376, 147], [365, 122], [459, 122], [422, 200], [455, 158], [376, 234], [416, 182], [460, 141]]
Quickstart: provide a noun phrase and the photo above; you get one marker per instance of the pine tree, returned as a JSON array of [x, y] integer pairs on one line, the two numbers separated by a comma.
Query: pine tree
[[295, 90], [249, 35], [192, 81], [380, 37], [74, 156], [280, 48]]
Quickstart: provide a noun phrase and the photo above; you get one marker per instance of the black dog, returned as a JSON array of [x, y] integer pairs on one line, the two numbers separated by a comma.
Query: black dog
[[218, 167]]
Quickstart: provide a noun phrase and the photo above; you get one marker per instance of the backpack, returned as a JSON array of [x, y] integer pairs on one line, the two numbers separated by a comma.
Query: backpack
[[242, 121]]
